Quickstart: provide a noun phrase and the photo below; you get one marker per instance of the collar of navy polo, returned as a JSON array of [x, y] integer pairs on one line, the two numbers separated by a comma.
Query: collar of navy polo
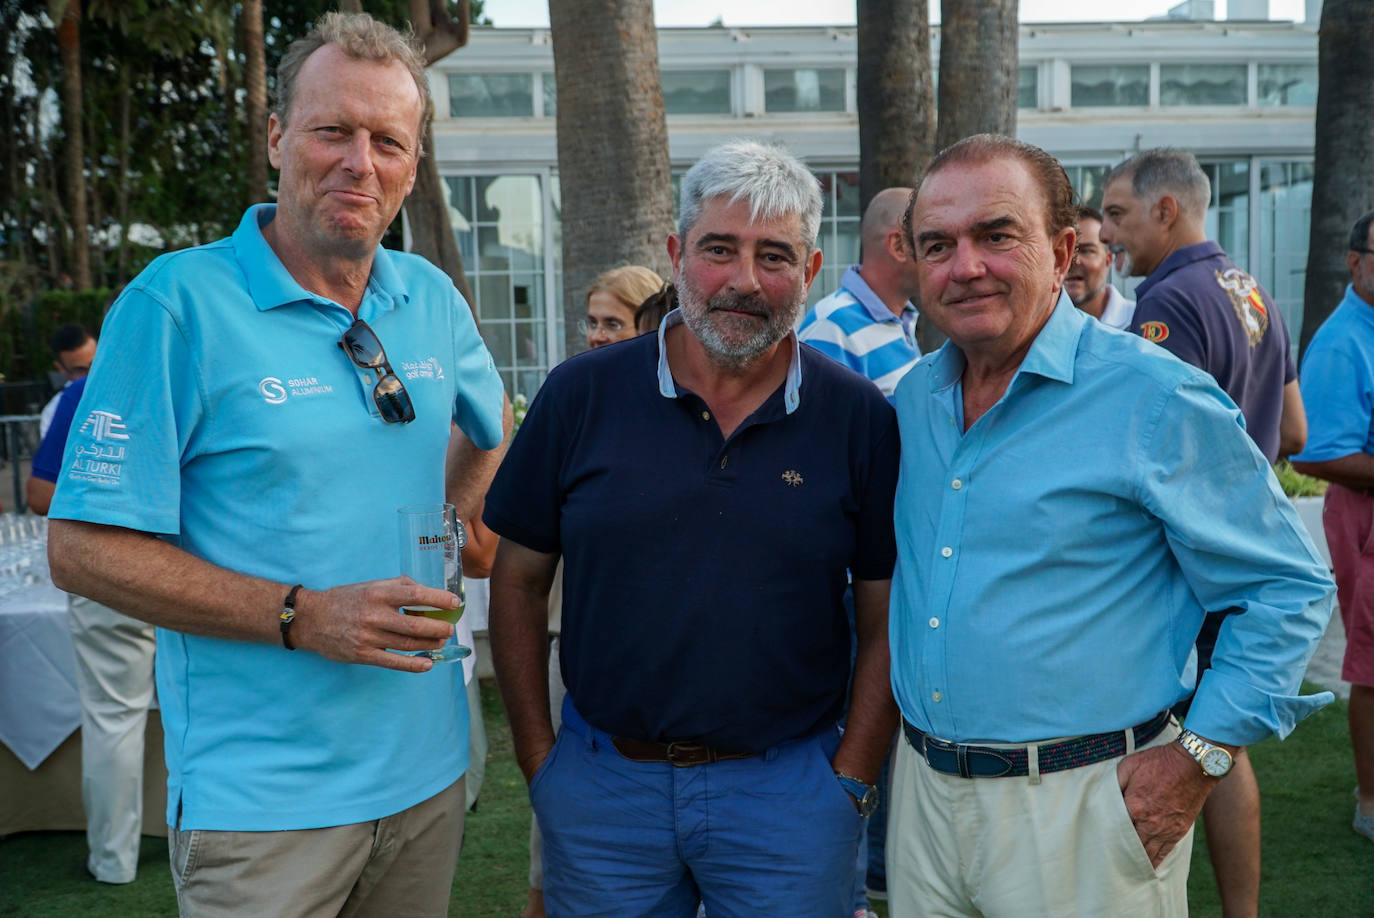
[[667, 386]]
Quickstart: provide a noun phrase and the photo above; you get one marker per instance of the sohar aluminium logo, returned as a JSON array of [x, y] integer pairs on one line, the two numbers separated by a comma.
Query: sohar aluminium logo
[[273, 392]]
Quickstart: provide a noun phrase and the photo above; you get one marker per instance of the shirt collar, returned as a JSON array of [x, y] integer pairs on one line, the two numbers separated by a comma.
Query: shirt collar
[[1198, 251], [667, 386], [1051, 354], [853, 281], [271, 285]]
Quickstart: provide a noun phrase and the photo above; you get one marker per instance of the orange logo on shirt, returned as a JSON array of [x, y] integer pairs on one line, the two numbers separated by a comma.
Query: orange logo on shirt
[[1154, 331]]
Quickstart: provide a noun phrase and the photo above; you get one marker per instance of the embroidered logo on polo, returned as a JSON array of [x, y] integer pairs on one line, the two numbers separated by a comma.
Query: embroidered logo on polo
[[428, 368], [792, 477], [274, 391], [1154, 331], [103, 460], [1246, 300]]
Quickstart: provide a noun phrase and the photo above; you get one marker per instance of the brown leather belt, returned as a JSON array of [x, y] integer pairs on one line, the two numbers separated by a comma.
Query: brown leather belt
[[679, 755]]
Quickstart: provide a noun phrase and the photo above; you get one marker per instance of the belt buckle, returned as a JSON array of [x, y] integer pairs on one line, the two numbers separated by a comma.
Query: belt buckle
[[674, 749], [940, 745]]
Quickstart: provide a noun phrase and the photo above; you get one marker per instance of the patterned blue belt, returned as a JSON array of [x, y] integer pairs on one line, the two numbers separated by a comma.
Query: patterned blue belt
[[971, 761]]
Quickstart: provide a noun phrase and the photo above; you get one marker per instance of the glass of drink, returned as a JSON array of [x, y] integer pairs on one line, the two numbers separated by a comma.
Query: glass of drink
[[432, 541]]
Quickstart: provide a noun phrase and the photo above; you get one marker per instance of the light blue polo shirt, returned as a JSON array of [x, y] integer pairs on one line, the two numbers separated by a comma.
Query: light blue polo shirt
[[222, 415], [1338, 383]]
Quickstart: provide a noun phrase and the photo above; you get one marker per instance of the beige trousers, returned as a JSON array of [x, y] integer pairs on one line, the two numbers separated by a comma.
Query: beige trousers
[[400, 865], [995, 847], [114, 677]]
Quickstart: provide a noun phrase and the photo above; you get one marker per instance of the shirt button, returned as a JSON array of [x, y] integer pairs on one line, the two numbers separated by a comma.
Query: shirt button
[[706, 415], [936, 697], [946, 552], [956, 484], [934, 623], [723, 460]]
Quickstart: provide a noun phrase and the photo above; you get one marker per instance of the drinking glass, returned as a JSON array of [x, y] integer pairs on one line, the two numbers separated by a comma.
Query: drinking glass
[[432, 541]]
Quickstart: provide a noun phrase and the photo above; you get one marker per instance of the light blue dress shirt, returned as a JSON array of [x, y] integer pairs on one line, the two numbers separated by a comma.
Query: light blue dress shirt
[[1055, 560], [1338, 383]]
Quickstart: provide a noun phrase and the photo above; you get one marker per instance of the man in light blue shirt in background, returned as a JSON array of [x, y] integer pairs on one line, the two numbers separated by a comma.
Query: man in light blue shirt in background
[[1071, 503], [869, 324]]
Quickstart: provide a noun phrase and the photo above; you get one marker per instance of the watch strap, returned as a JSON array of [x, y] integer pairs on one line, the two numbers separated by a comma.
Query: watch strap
[[866, 795], [288, 615]]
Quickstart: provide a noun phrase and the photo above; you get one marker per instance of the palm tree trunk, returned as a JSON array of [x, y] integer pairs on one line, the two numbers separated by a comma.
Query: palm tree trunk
[[1343, 171], [612, 144], [978, 62], [69, 47]]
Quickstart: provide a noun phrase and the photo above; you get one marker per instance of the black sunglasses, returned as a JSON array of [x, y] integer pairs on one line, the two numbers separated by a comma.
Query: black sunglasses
[[362, 346]]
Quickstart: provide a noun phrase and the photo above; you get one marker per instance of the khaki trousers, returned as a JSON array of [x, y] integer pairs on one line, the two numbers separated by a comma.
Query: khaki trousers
[[994, 847], [400, 865], [114, 677]]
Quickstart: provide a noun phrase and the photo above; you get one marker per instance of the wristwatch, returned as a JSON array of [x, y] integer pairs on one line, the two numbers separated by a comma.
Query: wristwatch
[[1215, 760], [865, 795]]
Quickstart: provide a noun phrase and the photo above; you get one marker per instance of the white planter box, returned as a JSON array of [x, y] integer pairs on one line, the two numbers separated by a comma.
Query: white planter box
[[1310, 512]]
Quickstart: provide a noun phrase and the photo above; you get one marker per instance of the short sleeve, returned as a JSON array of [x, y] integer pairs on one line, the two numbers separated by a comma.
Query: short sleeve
[[1339, 397], [1169, 321], [524, 503], [47, 460], [876, 554], [143, 401], [477, 406]]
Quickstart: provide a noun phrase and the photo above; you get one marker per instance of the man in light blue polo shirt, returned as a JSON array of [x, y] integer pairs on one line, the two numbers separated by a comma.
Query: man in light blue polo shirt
[[233, 476], [1338, 388], [1071, 502], [869, 324]]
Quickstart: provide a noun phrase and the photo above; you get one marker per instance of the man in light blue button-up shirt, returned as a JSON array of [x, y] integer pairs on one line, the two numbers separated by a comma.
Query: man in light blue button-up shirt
[[1071, 503]]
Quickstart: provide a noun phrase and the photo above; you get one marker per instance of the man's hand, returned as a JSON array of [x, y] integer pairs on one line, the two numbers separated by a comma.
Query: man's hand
[[359, 622], [1164, 791]]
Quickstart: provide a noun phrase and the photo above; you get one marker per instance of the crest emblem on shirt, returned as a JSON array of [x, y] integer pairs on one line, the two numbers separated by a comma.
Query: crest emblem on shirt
[[1154, 331], [792, 477], [1246, 299]]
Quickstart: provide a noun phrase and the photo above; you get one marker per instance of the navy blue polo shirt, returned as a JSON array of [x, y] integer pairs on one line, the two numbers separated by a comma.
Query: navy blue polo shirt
[[703, 577], [1208, 312]]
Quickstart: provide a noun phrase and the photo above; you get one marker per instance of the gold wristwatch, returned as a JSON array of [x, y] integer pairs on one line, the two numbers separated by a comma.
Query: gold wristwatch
[[1214, 760]]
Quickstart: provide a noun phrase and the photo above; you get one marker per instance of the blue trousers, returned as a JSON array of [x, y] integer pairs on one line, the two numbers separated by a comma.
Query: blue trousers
[[773, 834]]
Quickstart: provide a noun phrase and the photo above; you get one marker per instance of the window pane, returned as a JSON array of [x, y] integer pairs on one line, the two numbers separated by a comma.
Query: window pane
[[803, 90], [550, 95], [846, 194], [1026, 88], [1109, 85], [490, 95], [1287, 84], [696, 92], [1202, 84], [1285, 221]]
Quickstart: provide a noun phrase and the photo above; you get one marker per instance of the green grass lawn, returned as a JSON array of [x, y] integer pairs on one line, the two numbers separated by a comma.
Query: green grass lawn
[[1314, 865]]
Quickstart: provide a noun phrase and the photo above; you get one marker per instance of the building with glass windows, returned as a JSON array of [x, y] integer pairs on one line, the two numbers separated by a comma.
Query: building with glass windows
[[1240, 95]]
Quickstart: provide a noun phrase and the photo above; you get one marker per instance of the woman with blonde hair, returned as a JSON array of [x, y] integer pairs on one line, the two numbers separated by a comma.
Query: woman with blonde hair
[[612, 300]]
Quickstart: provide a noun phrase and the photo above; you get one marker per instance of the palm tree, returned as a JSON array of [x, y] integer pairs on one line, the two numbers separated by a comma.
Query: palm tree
[[612, 143], [1343, 173], [978, 58], [895, 97], [67, 16]]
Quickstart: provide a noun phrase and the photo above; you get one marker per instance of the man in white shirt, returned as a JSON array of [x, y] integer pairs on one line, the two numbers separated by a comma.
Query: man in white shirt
[[1086, 283]]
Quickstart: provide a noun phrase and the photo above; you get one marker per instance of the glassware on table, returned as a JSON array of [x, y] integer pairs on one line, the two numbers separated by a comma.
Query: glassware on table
[[432, 540]]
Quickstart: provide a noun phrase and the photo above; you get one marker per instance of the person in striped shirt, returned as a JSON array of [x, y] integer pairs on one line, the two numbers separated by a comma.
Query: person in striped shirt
[[869, 324]]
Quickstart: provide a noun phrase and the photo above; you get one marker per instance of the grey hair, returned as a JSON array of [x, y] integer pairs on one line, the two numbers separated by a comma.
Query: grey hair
[[360, 37], [1166, 170], [773, 181], [1359, 233]]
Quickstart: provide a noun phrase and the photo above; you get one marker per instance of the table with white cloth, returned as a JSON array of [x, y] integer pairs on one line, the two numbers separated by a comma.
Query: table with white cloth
[[40, 712]]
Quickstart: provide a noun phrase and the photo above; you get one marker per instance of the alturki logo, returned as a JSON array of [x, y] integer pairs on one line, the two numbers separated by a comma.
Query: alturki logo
[[105, 425], [103, 464]]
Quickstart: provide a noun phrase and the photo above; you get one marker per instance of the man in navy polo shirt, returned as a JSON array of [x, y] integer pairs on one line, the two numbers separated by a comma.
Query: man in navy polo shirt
[[233, 475], [707, 488], [1198, 305]]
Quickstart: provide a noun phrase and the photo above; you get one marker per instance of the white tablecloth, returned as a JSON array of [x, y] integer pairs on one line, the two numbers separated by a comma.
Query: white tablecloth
[[39, 707]]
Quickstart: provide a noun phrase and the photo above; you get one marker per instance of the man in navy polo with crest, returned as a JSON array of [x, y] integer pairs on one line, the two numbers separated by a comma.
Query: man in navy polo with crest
[[233, 476], [1197, 304], [707, 487]]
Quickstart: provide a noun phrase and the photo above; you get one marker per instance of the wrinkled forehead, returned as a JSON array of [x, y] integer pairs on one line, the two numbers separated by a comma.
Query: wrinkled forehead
[[966, 193]]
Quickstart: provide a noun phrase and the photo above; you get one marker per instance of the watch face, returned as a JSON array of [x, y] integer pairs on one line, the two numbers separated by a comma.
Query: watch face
[[1216, 762]]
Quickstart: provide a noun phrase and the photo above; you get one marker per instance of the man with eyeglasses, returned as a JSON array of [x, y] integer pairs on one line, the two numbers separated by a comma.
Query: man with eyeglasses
[[707, 488], [1338, 387], [1088, 282], [233, 476]]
